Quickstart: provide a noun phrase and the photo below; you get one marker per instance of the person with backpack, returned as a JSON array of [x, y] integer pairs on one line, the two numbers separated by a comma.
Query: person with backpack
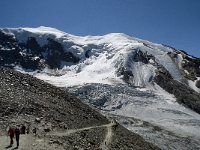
[[23, 129], [17, 135], [11, 133]]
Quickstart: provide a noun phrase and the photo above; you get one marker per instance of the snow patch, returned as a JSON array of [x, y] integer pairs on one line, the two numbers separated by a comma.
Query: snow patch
[[180, 59], [192, 84]]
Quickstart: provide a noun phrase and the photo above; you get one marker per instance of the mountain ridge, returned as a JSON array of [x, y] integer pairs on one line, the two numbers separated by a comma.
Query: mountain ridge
[[47, 49]]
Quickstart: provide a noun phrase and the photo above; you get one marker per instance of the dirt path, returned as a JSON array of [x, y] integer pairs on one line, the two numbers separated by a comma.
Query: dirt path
[[104, 145], [108, 138], [71, 131], [24, 143]]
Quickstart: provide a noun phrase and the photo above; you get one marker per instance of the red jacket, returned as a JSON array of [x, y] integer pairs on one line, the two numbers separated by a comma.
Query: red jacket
[[11, 132]]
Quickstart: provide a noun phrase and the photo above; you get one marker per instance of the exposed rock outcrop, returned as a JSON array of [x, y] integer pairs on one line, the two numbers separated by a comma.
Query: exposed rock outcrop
[[30, 55], [182, 92]]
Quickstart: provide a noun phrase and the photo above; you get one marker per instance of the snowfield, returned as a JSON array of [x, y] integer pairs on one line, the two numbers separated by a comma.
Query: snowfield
[[108, 53]]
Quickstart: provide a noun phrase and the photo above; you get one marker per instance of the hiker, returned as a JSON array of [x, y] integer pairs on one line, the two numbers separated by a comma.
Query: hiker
[[11, 133], [114, 124], [23, 129], [17, 135], [34, 130], [27, 130]]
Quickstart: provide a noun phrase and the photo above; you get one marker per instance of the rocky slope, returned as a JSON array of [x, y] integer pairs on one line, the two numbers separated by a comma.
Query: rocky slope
[[62, 121]]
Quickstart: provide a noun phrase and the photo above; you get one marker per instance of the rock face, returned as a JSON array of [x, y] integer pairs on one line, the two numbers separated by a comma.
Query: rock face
[[30, 55], [61, 120], [192, 67], [183, 93], [198, 84]]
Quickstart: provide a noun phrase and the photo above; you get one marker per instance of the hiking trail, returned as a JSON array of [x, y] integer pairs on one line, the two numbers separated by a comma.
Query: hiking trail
[[25, 142], [28, 143]]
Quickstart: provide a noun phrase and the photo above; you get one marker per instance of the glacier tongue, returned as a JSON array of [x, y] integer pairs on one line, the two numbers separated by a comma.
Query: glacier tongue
[[154, 115]]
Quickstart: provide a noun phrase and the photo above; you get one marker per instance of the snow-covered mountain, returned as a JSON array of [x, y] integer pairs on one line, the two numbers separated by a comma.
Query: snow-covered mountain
[[151, 89]]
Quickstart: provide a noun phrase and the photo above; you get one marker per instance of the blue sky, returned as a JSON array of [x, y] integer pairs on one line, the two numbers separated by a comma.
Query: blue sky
[[172, 22]]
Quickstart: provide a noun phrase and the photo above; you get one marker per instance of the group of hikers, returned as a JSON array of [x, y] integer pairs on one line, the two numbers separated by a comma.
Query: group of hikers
[[15, 132]]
